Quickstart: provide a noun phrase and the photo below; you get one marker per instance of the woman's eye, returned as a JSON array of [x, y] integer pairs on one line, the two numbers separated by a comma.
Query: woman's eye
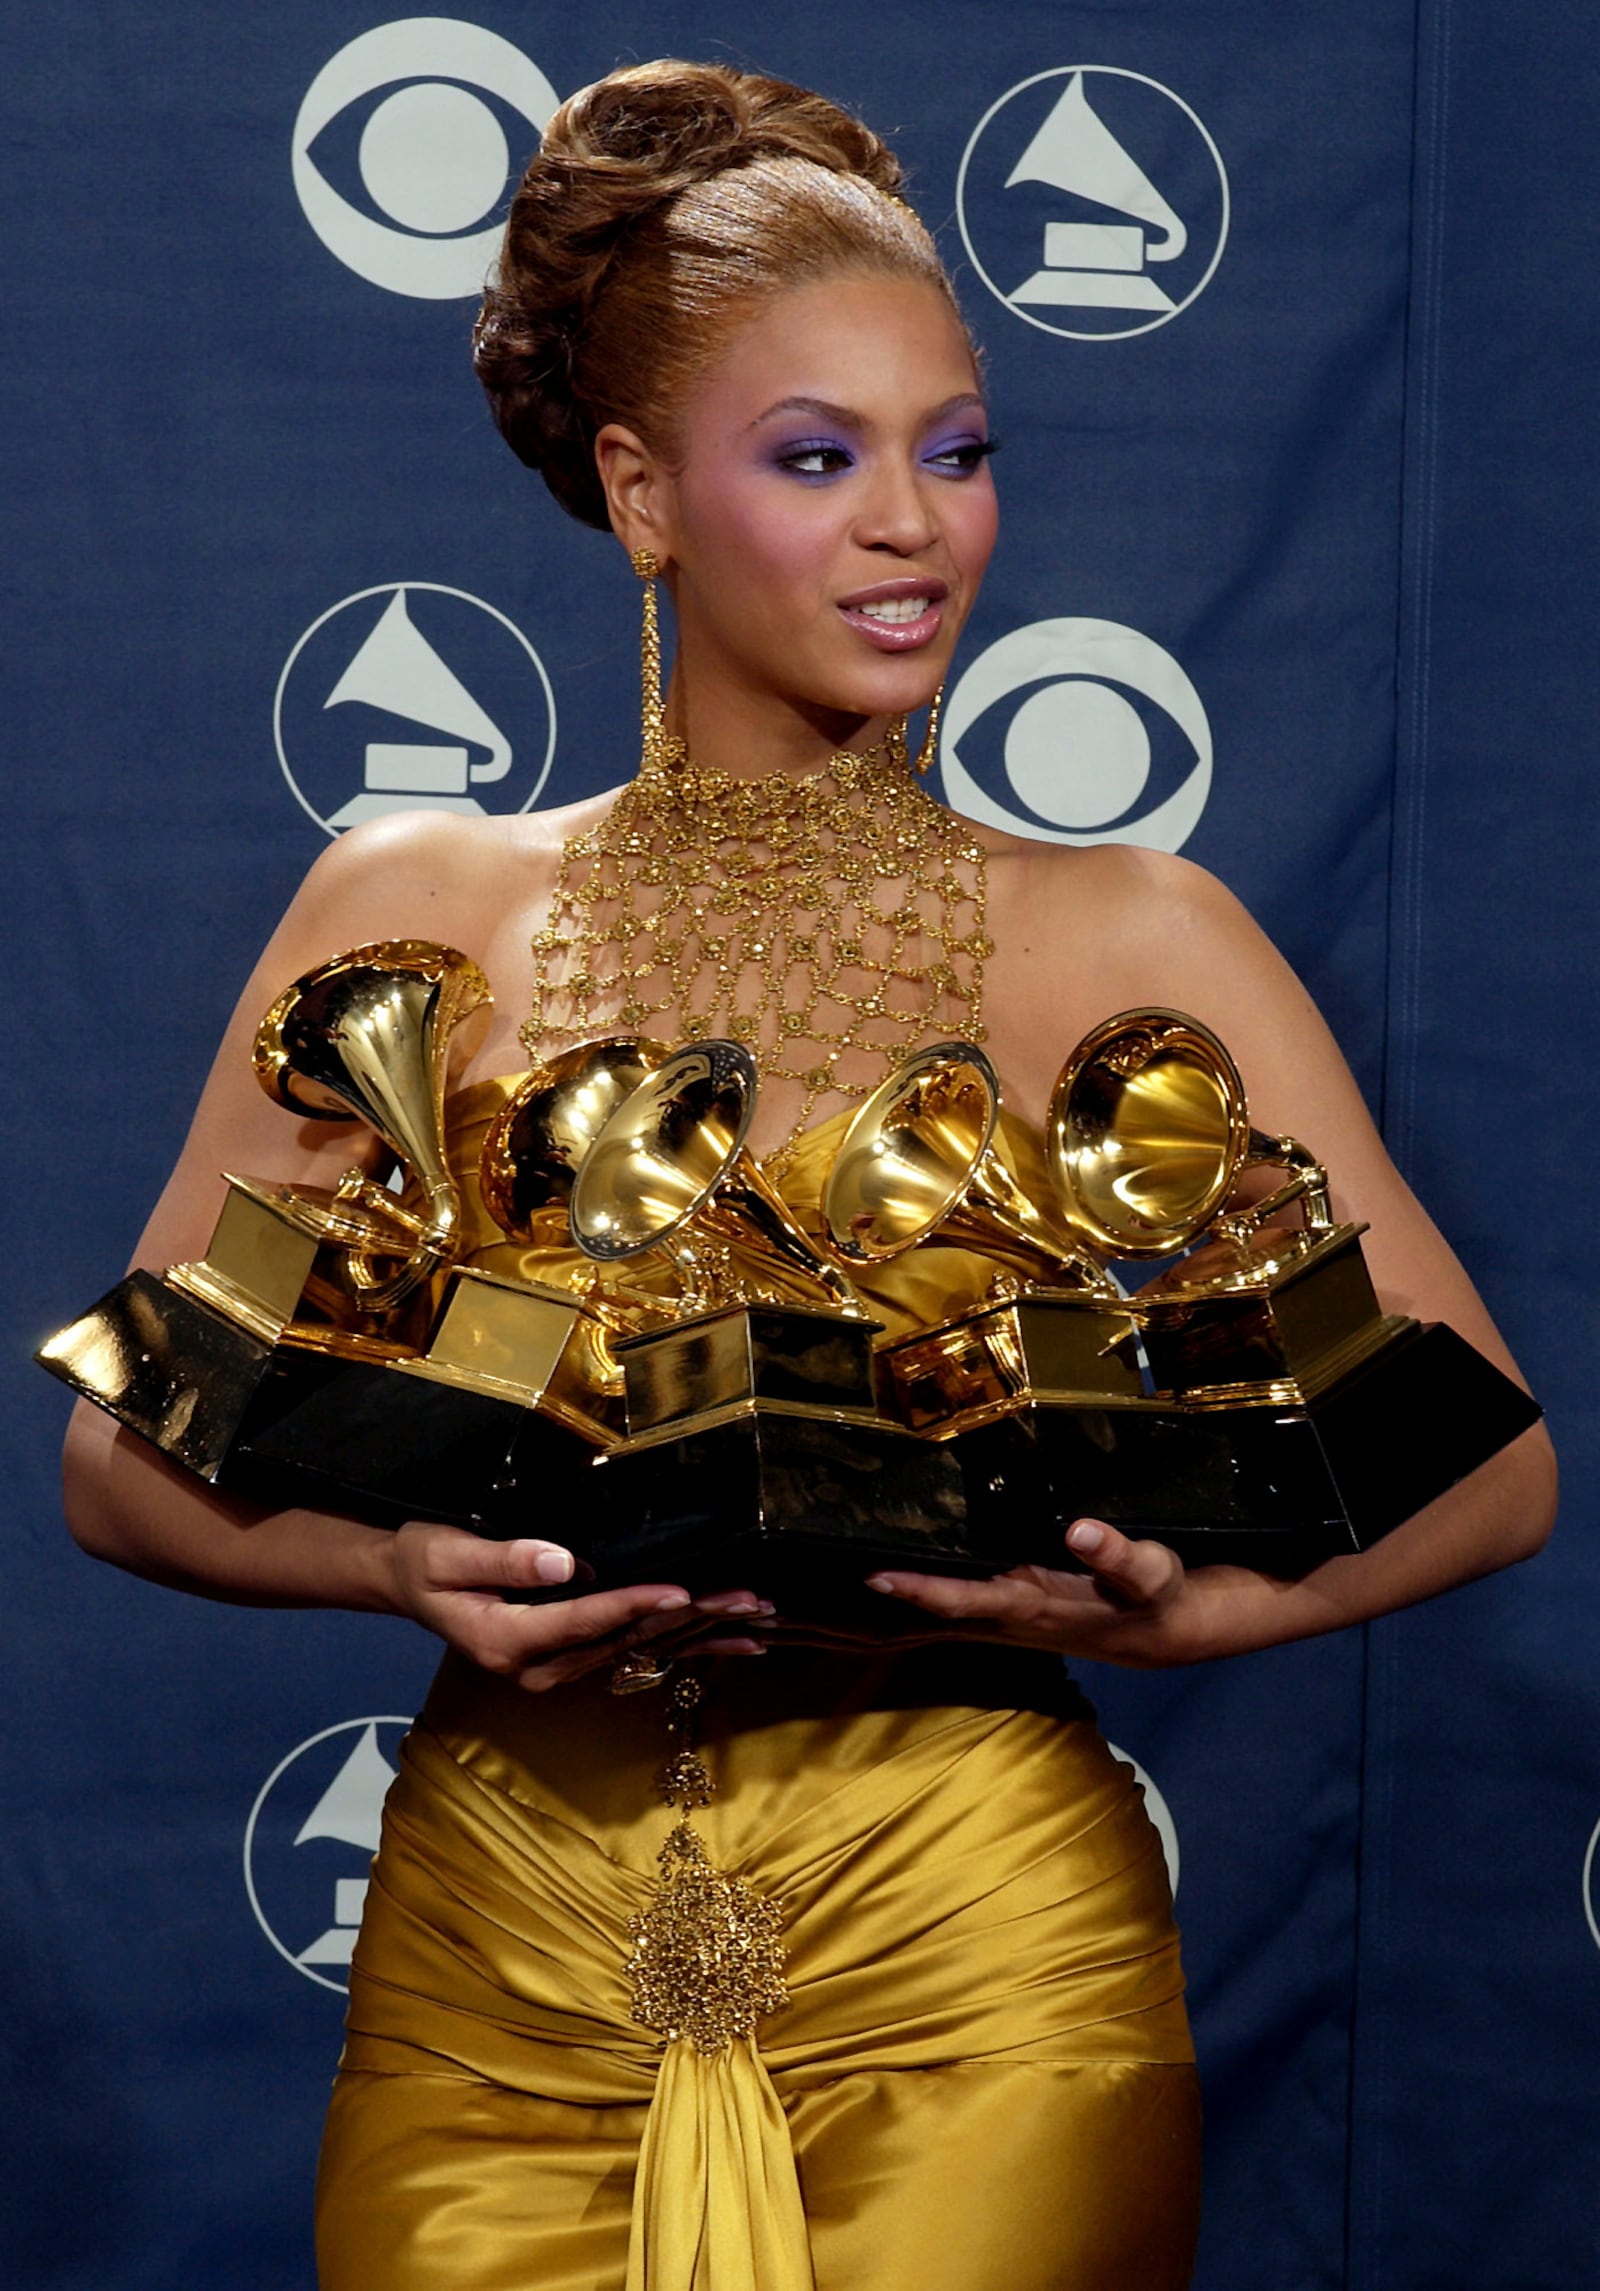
[[819, 460], [963, 459]]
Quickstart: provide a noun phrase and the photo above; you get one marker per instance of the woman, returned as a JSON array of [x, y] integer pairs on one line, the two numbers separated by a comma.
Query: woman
[[719, 333]]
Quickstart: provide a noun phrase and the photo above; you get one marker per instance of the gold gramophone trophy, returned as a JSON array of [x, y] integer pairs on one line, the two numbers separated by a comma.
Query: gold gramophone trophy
[[328, 1348], [1252, 1403], [755, 1451], [1310, 1420], [1047, 1356], [918, 1167]]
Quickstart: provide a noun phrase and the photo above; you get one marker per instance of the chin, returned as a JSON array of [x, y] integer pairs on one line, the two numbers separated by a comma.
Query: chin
[[911, 688]]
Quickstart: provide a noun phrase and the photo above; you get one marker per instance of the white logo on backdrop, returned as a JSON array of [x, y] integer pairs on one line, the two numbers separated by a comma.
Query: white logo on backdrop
[[419, 658], [1077, 752], [1093, 202], [433, 156], [1155, 1805], [312, 1833], [1591, 1884]]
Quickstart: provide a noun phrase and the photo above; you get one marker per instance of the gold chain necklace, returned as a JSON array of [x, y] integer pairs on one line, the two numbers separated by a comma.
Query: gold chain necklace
[[829, 922]]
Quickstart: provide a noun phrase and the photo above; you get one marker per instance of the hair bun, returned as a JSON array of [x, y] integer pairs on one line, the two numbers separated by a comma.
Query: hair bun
[[615, 159], [658, 128]]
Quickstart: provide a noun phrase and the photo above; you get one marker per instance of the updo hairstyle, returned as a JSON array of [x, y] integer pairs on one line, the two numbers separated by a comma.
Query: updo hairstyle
[[664, 203]]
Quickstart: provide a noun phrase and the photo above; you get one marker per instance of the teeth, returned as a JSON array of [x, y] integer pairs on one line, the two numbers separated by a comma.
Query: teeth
[[895, 608]]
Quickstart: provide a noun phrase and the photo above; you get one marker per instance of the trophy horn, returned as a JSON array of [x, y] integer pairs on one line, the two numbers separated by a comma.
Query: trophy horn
[[537, 1142], [918, 1163], [670, 1170], [366, 1035], [1149, 1131]]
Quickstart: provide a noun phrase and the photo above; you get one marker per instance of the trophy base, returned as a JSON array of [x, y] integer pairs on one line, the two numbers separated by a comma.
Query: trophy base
[[382, 1443], [798, 1507], [379, 1439], [174, 1370], [1276, 1486]]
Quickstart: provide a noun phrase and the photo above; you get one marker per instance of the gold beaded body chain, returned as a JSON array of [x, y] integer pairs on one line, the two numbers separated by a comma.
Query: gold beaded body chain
[[708, 1955]]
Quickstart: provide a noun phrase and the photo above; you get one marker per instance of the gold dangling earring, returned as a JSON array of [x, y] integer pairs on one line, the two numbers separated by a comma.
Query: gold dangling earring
[[657, 748], [930, 738]]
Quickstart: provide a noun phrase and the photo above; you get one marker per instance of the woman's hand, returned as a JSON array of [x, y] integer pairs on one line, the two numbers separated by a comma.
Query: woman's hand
[[453, 1583], [1132, 1603]]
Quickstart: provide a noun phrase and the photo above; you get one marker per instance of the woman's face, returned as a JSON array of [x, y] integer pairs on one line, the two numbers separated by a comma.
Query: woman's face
[[832, 512]]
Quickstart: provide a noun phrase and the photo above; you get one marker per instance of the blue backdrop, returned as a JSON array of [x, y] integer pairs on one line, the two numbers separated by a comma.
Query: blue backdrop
[[1289, 318]]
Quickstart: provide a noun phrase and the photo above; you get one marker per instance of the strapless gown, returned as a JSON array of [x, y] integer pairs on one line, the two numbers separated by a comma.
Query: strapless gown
[[982, 2081]]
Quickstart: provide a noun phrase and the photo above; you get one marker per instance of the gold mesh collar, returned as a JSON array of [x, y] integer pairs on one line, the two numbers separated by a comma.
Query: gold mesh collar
[[829, 921]]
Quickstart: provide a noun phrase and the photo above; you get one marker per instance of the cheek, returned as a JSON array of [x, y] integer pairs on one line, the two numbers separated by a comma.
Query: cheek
[[976, 526], [769, 560], [766, 543]]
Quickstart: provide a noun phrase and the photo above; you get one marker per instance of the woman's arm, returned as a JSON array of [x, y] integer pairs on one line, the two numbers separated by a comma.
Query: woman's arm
[[126, 1503], [1163, 932]]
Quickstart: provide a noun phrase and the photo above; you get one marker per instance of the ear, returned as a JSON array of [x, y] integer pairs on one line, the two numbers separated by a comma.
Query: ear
[[638, 490]]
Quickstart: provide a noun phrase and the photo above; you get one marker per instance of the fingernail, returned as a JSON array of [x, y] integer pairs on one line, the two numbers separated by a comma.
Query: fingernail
[[670, 1600], [744, 1607], [552, 1567], [879, 1583], [1085, 1536]]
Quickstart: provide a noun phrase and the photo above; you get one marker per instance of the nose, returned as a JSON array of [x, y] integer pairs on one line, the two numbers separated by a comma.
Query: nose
[[896, 510]]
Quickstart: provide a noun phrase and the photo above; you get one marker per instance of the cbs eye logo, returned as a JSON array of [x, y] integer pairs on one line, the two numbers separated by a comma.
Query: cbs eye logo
[[426, 165], [1107, 743]]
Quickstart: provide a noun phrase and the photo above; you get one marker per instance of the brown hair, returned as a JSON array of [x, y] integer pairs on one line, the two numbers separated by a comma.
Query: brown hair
[[662, 203]]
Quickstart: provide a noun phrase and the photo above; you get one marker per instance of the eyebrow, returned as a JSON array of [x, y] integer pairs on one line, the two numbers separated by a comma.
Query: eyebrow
[[826, 411]]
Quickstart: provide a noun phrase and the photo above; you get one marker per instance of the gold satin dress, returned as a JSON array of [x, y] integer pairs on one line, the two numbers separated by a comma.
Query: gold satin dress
[[983, 2078]]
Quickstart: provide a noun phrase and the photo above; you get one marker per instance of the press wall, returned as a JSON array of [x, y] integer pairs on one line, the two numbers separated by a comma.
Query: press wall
[[1289, 320]]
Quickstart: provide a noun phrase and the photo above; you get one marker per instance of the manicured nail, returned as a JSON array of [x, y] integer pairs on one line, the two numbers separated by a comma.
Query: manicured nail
[[879, 1583], [1085, 1537], [672, 1599], [553, 1567]]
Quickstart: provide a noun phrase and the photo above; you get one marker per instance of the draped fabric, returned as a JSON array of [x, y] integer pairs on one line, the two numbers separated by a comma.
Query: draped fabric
[[968, 1880], [969, 1894]]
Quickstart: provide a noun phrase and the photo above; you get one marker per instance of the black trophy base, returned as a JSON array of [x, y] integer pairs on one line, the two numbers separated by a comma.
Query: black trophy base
[[286, 1424], [796, 1507], [1279, 1488], [370, 1440], [178, 1373]]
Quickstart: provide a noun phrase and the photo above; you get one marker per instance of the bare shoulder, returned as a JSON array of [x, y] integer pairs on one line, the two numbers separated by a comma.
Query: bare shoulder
[[1137, 890], [428, 874], [1133, 923]]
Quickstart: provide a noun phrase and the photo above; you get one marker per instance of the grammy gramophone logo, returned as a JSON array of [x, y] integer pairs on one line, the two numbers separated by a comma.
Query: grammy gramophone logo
[[413, 697], [309, 1842], [1093, 202]]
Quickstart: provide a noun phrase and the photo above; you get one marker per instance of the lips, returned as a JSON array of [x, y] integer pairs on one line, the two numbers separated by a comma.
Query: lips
[[899, 615]]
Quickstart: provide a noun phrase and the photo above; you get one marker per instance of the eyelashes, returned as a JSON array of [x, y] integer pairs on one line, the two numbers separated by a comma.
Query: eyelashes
[[971, 454], [817, 459]]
